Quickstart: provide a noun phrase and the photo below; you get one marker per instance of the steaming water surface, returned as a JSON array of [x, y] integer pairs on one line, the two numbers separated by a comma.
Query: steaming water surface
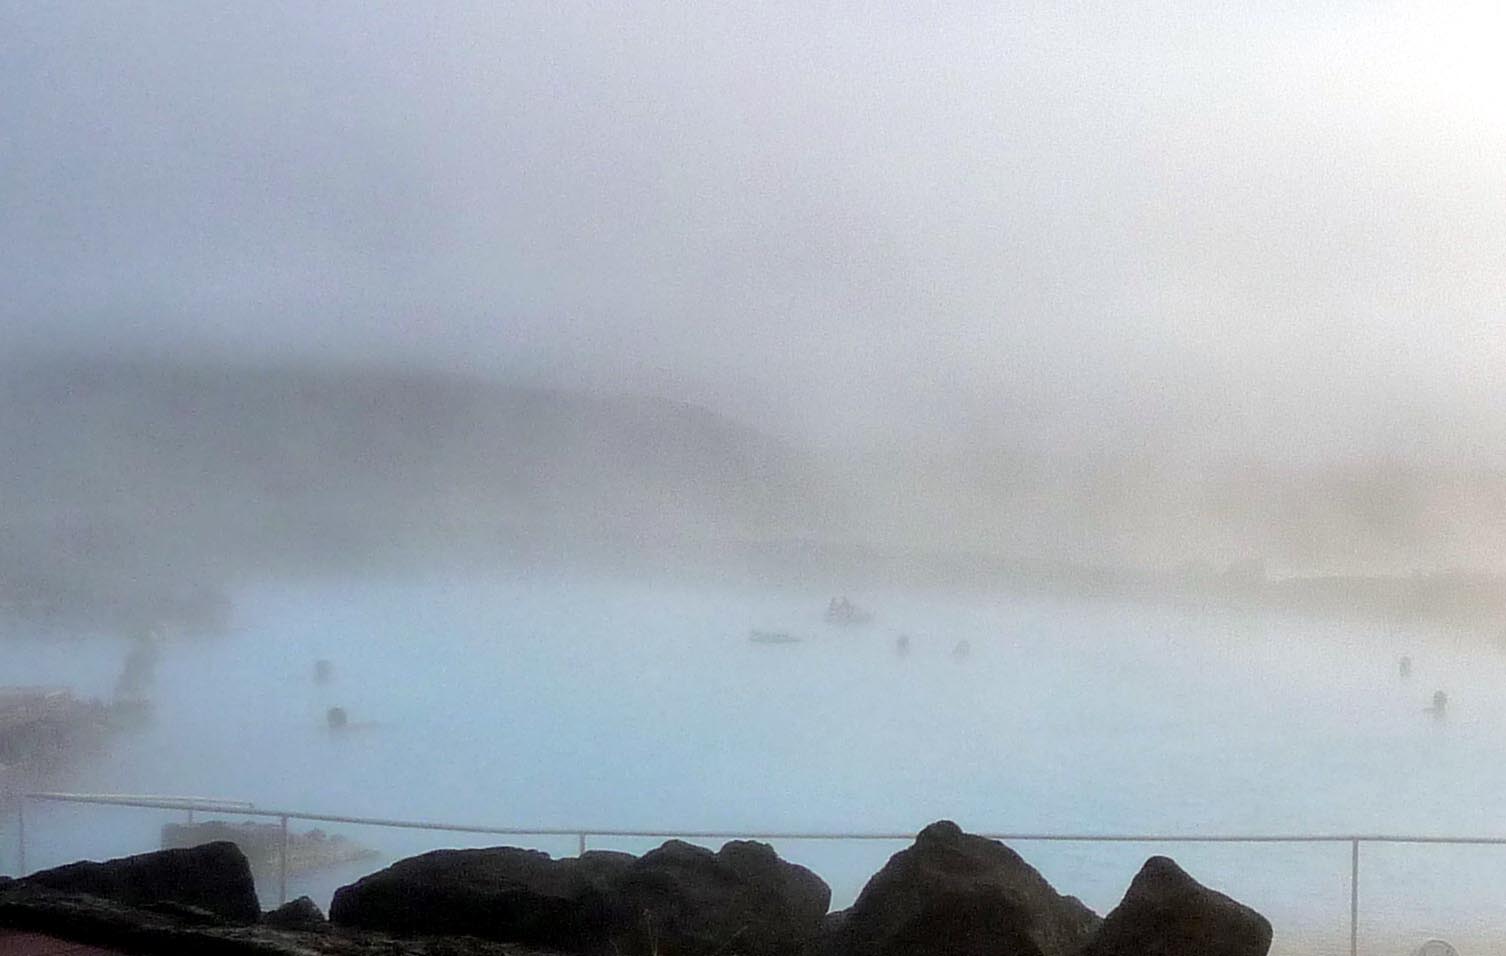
[[566, 702]]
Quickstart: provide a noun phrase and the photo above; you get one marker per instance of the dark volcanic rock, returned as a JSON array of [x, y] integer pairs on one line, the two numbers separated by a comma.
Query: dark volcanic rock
[[678, 900], [1165, 912], [183, 913], [829, 938], [500, 893], [685, 900], [955, 894], [213, 877], [301, 913], [151, 932]]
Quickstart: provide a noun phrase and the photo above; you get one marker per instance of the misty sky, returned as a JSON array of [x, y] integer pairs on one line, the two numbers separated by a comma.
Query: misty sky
[[1284, 226]]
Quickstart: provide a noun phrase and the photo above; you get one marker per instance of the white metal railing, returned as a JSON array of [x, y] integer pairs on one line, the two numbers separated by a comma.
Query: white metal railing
[[583, 834]]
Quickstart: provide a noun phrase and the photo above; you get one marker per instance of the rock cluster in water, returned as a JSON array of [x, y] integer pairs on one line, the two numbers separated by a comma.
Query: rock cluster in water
[[948, 894]]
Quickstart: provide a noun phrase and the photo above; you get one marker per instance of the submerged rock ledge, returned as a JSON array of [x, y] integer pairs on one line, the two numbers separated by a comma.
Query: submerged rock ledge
[[949, 894]]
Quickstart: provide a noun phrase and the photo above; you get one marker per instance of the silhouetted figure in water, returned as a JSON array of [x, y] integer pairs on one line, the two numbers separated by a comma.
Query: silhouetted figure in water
[[1440, 703], [323, 671], [902, 645], [138, 673], [1405, 667], [962, 649], [337, 718]]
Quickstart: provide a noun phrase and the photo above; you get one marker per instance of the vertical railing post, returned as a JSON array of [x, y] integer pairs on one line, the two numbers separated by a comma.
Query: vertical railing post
[[282, 863], [21, 835], [1354, 897], [582, 845]]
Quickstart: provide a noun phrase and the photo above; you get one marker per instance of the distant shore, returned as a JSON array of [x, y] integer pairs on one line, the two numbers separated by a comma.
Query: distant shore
[[1467, 599]]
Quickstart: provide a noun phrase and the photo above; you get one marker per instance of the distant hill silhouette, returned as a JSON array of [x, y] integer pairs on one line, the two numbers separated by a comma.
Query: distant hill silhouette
[[133, 491], [122, 475]]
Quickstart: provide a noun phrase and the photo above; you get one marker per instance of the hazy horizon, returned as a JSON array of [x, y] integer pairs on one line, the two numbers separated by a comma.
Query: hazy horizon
[[1165, 284]]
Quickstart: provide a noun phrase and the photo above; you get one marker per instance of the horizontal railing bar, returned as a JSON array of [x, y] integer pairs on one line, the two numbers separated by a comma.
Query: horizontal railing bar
[[140, 799], [151, 802], [249, 809]]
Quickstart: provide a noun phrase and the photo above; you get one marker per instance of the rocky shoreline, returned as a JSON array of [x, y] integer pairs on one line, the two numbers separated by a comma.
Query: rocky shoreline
[[948, 894]]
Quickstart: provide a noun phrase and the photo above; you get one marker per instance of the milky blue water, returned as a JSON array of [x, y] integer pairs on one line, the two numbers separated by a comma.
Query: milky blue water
[[563, 701]]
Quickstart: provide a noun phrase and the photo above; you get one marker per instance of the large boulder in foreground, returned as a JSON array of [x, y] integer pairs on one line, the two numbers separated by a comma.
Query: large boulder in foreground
[[955, 894], [678, 900], [499, 893], [829, 938], [1165, 912], [214, 878], [685, 900]]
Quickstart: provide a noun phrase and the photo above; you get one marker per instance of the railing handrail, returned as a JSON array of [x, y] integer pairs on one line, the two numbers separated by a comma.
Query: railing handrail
[[247, 808], [159, 801], [250, 809]]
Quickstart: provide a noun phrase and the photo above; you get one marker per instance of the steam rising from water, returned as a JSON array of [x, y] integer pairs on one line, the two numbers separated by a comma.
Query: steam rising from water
[[1040, 327], [1274, 235]]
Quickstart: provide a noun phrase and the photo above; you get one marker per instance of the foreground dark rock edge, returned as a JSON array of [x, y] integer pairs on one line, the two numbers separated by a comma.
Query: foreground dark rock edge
[[948, 894], [213, 877], [147, 932]]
